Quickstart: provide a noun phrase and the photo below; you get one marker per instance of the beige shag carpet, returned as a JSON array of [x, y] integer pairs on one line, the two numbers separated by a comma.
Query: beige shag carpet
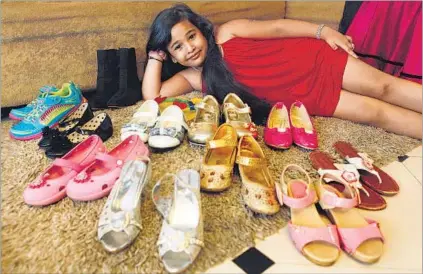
[[61, 238]]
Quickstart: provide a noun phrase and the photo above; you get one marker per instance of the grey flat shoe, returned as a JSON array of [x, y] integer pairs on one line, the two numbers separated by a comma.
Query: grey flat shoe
[[120, 220], [181, 236]]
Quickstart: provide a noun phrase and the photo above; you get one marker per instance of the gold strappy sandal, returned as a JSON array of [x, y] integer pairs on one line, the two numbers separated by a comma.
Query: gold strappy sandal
[[205, 122], [218, 162], [258, 188]]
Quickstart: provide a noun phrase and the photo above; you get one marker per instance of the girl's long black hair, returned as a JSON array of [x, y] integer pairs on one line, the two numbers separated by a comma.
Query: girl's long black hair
[[218, 79]]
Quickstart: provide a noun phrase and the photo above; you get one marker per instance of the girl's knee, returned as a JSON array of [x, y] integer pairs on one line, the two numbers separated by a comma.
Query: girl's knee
[[376, 115]]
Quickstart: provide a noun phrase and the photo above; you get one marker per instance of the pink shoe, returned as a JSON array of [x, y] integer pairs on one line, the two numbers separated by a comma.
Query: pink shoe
[[50, 186], [277, 132], [98, 179], [303, 132]]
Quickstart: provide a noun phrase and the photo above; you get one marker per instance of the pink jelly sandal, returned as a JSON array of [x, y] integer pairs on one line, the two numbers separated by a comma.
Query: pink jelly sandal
[[98, 179], [361, 238], [50, 186], [312, 235]]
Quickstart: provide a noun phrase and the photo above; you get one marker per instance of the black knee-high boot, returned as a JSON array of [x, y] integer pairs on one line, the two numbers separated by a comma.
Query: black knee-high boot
[[129, 92], [107, 77]]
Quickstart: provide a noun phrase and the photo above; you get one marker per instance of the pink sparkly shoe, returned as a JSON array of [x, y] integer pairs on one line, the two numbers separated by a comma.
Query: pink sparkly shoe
[[277, 132], [98, 179], [50, 186], [303, 132]]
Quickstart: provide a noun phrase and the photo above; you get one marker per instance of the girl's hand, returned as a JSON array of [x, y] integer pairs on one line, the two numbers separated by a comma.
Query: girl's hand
[[336, 39], [158, 54]]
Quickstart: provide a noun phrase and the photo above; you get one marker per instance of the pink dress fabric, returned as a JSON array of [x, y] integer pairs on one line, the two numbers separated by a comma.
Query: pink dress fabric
[[388, 36]]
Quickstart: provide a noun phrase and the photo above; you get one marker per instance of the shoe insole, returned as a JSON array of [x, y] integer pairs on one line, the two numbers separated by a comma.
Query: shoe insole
[[92, 124], [370, 250], [131, 182], [184, 213], [300, 119], [256, 174], [318, 252], [276, 120]]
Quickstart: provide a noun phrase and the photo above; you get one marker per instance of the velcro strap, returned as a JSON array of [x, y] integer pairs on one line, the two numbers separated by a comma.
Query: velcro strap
[[245, 109], [205, 106], [107, 158], [308, 199], [173, 119], [248, 161], [330, 200], [221, 143], [67, 163]]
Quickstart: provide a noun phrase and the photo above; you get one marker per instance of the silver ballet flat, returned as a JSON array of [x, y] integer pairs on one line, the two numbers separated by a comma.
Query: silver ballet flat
[[120, 220], [181, 236]]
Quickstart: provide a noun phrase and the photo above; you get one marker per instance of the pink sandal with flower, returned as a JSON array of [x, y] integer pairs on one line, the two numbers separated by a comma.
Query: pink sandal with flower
[[50, 186], [98, 179]]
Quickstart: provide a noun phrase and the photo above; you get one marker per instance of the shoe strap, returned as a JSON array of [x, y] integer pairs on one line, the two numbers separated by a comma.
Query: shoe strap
[[245, 109], [67, 163], [250, 161], [309, 198], [352, 238], [329, 200], [346, 174], [206, 107], [107, 158], [364, 162], [302, 235], [224, 142]]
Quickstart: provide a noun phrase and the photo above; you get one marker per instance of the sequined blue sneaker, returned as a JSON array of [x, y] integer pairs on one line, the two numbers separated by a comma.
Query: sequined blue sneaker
[[50, 109], [20, 113]]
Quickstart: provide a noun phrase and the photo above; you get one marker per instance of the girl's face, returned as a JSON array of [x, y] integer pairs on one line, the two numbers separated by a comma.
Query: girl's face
[[188, 46]]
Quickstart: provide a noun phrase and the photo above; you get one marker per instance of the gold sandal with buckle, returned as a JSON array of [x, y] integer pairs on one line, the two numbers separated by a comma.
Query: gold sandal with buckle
[[217, 167], [238, 115], [205, 122], [258, 188]]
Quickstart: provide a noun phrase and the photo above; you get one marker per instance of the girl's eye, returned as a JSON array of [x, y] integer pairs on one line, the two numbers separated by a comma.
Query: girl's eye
[[192, 36], [177, 47]]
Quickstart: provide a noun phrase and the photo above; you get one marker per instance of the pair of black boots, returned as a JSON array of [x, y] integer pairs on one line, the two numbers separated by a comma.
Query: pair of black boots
[[117, 79]]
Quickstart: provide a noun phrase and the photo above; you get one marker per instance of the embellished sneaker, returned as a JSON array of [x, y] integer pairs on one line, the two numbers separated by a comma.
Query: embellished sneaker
[[48, 112], [20, 113]]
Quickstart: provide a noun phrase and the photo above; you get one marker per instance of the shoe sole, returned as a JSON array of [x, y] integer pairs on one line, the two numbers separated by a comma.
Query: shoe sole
[[13, 117], [39, 134]]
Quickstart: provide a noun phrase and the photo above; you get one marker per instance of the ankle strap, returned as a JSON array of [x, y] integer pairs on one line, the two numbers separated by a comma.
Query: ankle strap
[[329, 200], [249, 161]]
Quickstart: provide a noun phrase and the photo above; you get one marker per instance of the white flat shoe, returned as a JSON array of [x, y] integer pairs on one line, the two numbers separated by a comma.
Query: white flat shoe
[[142, 121], [181, 236], [169, 130], [120, 220]]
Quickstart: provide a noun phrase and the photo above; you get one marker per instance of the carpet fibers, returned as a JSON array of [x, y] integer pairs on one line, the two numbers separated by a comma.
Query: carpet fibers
[[63, 237]]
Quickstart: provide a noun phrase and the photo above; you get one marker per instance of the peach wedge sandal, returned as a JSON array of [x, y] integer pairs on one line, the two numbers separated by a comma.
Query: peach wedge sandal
[[312, 235], [360, 237], [258, 188], [218, 163]]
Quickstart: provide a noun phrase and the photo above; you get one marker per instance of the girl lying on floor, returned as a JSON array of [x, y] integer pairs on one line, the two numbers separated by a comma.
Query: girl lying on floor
[[284, 60]]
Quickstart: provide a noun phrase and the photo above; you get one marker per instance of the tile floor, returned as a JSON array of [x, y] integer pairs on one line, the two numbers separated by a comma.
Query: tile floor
[[401, 225]]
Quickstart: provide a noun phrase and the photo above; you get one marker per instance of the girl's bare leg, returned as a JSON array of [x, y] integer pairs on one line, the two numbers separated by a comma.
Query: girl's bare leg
[[370, 111], [364, 79]]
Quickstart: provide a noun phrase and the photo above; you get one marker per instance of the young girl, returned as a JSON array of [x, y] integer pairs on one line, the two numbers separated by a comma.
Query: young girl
[[284, 60]]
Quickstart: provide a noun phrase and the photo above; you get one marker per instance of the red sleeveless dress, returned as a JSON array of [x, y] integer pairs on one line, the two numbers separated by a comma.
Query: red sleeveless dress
[[289, 69]]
